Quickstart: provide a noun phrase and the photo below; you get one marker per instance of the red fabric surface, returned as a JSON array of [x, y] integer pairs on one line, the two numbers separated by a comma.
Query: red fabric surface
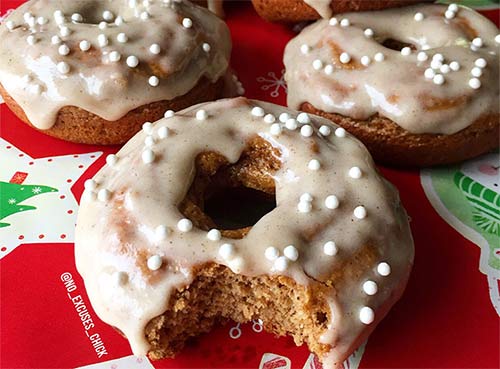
[[444, 320]]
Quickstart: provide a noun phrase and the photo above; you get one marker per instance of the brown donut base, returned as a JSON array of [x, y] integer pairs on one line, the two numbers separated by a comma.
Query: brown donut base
[[390, 144], [293, 11], [78, 125]]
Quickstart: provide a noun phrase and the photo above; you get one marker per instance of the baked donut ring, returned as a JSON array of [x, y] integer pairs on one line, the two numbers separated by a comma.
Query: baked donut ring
[[90, 71], [418, 85], [290, 11], [161, 267]]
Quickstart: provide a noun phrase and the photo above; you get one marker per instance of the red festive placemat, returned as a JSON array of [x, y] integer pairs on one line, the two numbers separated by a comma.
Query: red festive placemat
[[447, 318]]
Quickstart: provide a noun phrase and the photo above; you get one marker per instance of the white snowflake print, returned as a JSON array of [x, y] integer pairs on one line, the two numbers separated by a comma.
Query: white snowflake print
[[272, 83], [36, 190], [12, 201]]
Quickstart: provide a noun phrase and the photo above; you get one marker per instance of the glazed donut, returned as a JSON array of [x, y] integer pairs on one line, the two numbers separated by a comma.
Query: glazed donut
[[94, 71], [161, 268], [307, 10], [417, 85]]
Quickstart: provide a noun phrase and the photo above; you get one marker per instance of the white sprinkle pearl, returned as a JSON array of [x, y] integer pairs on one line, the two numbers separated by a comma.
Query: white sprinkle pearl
[[77, 17], [345, 58], [31, 40], [55, 40], [291, 124], [360, 212], [304, 207], [132, 61], [154, 81], [102, 40], [275, 129], [63, 67], [333, 21], [155, 49], [64, 31], [148, 156], [340, 132], [291, 253], [114, 56], [144, 16], [281, 264], [103, 25], [103, 195], [455, 66], [314, 165], [226, 251], [476, 72], [418, 17], [284, 117], [405, 51], [271, 253], [325, 131], [184, 225], [453, 7], [84, 45], [481, 63], [330, 248], [438, 79], [269, 118], [111, 159], [42, 20], [368, 32], [90, 184], [149, 141], [201, 115], [122, 38], [305, 49], [257, 111], [474, 83], [497, 38], [379, 57], [345, 22], [332, 202], [214, 235], [107, 15], [161, 232], [306, 131], [169, 114], [436, 63], [429, 73], [370, 288], [422, 56], [365, 60], [366, 315], [187, 23], [355, 173], [303, 118], [329, 69], [206, 47], [384, 269], [445, 69], [154, 262], [477, 42], [449, 14], [147, 127], [163, 132], [317, 64], [306, 197]]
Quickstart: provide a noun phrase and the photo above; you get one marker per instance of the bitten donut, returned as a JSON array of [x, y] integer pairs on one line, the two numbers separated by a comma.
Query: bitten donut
[[418, 85], [92, 71], [308, 10], [324, 265]]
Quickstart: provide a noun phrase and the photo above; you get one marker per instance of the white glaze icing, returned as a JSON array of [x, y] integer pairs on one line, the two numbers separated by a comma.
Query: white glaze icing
[[119, 234], [420, 93], [114, 76], [322, 7]]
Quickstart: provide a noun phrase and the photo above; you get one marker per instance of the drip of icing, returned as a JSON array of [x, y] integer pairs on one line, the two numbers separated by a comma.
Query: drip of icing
[[120, 233], [419, 92], [322, 7], [147, 55]]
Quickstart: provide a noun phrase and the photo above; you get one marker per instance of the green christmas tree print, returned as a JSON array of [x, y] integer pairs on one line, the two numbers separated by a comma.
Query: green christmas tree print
[[13, 194]]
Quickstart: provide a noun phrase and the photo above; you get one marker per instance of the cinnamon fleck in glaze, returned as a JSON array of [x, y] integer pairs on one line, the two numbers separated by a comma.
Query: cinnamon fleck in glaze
[[107, 57], [325, 215], [443, 77]]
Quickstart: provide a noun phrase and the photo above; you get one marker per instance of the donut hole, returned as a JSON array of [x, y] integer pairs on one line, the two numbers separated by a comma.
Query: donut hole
[[232, 197], [252, 205], [397, 45]]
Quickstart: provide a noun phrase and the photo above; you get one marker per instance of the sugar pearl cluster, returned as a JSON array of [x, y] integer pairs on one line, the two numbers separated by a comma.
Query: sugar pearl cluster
[[370, 288], [281, 260], [93, 192], [65, 25]]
